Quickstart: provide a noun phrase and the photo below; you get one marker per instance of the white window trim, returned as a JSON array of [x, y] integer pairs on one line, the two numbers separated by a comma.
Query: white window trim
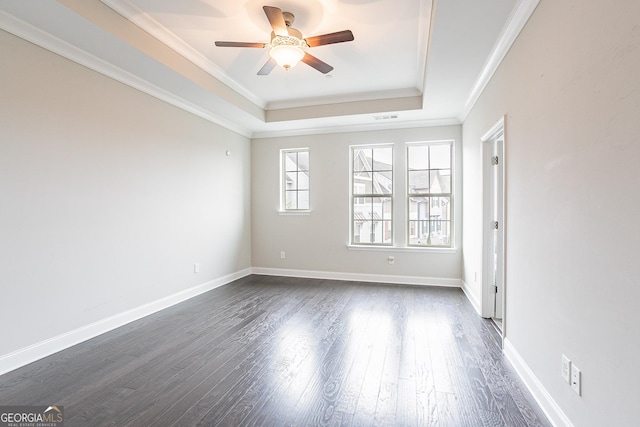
[[366, 246], [297, 212], [281, 208], [397, 244], [442, 249], [415, 249]]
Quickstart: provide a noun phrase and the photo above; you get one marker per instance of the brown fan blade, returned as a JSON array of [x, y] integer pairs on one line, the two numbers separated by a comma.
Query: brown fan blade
[[266, 68], [314, 62], [239, 44], [274, 15], [339, 37]]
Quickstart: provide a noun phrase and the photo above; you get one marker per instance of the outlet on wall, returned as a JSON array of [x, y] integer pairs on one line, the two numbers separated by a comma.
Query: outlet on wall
[[576, 379], [391, 260], [282, 255], [196, 267]]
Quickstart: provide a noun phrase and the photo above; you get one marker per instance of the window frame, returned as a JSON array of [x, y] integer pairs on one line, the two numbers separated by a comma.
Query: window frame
[[283, 181], [429, 195], [353, 197]]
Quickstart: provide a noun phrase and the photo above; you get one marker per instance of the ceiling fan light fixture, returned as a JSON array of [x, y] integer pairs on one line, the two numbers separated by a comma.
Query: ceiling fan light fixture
[[287, 51], [286, 56], [287, 46]]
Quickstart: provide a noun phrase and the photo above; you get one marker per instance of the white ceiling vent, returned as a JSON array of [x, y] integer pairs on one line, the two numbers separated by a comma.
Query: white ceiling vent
[[386, 117]]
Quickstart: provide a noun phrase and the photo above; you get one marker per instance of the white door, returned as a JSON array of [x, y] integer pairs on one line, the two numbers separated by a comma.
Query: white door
[[497, 224], [493, 278]]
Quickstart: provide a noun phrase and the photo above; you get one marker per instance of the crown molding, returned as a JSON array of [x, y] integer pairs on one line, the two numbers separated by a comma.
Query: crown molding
[[519, 17], [427, 18], [344, 98], [158, 31], [47, 41], [323, 130], [351, 108]]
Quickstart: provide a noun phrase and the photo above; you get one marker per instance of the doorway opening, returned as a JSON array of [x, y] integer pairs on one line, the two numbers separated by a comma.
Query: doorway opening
[[493, 302]]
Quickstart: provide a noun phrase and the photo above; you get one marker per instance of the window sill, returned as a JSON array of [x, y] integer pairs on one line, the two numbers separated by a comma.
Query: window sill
[[295, 213], [414, 249]]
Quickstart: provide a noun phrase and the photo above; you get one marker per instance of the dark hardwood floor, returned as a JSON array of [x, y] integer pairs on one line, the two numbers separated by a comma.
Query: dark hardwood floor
[[279, 351]]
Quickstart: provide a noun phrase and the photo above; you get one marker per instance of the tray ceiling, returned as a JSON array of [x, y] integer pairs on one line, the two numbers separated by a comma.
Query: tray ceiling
[[413, 62]]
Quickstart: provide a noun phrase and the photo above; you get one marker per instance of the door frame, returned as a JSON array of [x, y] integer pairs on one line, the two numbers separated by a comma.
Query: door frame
[[488, 294]]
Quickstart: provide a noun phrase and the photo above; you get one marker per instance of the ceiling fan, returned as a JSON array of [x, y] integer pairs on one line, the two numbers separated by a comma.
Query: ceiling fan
[[287, 46]]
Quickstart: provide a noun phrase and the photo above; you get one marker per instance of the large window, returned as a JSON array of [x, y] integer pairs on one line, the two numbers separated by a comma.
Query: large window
[[295, 179], [372, 195], [429, 194]]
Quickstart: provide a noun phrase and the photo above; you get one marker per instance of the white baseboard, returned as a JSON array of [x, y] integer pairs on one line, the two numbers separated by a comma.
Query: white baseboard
[[376, 278], [471, 296], [551, 409], [24, 356]]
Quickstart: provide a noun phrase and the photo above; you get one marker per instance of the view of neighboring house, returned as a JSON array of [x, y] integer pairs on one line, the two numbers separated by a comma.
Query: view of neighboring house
[[142, 165], [296, 177], [372, 189], [428, 195]]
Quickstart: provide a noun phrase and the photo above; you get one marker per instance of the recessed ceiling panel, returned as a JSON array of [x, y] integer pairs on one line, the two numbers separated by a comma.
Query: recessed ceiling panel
[[418, 61], [382, 58]]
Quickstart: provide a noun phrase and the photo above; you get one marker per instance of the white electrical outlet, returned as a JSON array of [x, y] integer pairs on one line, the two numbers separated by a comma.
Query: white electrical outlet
[[566, 369], [576, 379], [196, 267], [282, 255], [391, 260]]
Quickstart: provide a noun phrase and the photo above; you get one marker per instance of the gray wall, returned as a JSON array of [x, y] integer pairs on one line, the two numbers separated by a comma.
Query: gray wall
[[108, 197], [318, 242], [570, 89]]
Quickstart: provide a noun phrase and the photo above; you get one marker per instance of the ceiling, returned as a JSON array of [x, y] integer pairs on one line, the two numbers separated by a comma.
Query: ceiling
[[412, 63]]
